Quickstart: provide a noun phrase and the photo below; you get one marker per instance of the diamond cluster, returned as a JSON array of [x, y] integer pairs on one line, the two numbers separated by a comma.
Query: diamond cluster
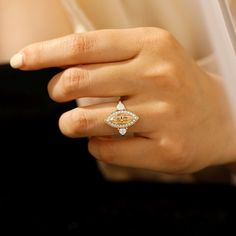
[[121, 119]]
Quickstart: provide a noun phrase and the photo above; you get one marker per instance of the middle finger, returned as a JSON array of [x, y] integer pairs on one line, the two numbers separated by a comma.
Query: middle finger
[[96, 80]]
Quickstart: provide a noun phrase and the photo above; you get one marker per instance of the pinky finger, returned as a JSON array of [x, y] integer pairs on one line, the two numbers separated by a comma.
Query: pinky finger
[[132, 152]]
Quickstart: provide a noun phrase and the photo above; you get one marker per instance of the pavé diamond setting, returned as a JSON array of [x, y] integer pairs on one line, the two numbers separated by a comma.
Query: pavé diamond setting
[[121, 119]]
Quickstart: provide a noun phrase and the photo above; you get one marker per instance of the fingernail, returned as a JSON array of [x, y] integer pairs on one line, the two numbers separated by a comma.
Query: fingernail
[[17, 60]]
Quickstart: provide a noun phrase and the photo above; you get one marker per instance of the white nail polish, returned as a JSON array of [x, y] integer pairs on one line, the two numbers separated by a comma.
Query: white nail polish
[[17, 60]]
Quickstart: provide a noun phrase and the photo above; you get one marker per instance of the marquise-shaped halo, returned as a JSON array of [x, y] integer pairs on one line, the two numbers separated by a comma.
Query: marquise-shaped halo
[[121, 119]]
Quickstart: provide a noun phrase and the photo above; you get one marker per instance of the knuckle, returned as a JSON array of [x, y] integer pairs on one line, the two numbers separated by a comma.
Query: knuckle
[[81, 44], [166, 111], [166, 37], [106, 153], [176, 157], [74, 79], [165, 76], [156, 35], [80, 122], [162, 109], [158, 39], [150, 37], [172, 70], [172, 76]]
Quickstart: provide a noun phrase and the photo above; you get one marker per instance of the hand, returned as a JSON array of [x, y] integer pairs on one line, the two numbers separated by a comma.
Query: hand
[[185, 124]]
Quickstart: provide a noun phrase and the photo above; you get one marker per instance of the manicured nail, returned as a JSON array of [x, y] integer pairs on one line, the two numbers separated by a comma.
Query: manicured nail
[[17, 60]]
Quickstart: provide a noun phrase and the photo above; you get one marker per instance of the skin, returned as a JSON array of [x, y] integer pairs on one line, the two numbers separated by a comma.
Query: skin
[[185, 123]]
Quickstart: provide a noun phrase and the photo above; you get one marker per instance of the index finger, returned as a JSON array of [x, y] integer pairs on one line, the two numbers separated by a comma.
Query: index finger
[[80, 48]]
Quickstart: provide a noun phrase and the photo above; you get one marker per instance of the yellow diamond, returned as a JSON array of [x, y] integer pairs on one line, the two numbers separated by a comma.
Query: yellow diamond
[[121, 119]]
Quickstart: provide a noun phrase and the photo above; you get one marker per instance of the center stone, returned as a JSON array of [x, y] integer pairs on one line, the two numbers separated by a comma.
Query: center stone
[[121, 119]]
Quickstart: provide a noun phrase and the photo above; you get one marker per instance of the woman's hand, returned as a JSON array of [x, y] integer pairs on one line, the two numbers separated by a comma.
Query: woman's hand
[[184, 123]]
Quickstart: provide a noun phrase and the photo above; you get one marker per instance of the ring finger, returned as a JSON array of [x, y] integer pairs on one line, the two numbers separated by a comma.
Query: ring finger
[[89, 121]]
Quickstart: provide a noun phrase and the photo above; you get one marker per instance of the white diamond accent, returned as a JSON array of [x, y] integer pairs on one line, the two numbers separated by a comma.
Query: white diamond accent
[[122, 131], [120, 106]]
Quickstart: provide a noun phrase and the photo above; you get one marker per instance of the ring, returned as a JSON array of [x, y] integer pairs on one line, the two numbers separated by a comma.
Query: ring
[[121, 118]]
